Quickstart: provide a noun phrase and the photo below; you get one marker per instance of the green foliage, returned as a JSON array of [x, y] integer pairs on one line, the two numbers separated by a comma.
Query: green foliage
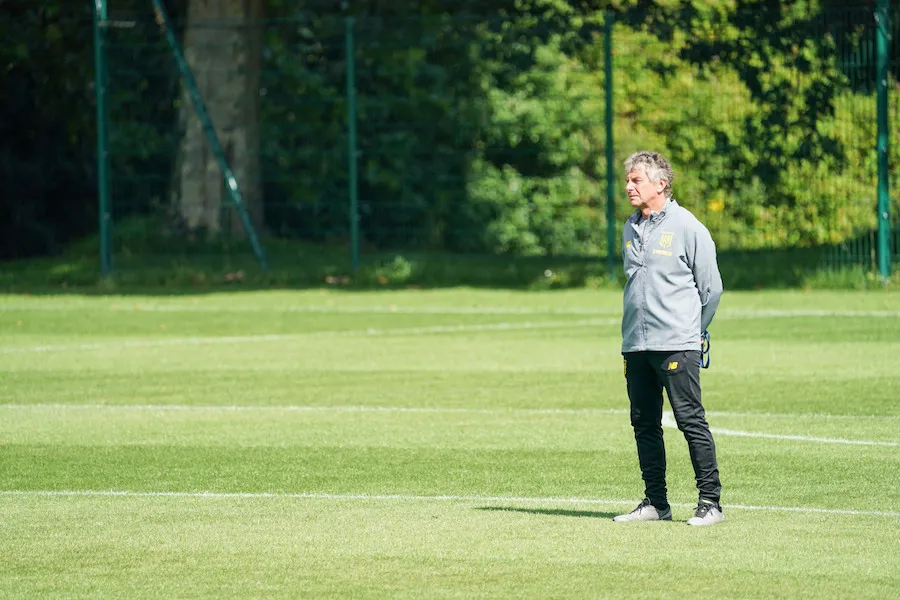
[[45, 149], [143, 93], [481, 125], [764, 131], [303, 128]]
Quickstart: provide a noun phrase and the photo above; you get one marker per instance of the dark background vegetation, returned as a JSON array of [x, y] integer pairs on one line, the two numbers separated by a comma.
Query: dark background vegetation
[[481, 125]]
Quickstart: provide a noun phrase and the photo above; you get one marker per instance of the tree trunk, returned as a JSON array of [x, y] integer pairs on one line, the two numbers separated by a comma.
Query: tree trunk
[[223, 46]]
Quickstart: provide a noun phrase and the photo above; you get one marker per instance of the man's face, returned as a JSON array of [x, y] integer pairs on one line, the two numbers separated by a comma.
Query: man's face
[[641, 191]]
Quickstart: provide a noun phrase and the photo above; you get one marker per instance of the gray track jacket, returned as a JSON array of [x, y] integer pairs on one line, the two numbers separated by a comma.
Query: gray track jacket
[[673, 284]]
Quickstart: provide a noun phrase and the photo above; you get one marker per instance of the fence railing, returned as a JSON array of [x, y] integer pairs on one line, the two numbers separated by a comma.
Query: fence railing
[[475, 134]]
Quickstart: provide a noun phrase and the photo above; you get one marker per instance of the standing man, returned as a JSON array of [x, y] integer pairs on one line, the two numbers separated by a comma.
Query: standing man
[[672, 291]]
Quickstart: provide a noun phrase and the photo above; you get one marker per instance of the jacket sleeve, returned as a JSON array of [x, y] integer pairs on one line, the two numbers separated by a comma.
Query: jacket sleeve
[[706, 275]]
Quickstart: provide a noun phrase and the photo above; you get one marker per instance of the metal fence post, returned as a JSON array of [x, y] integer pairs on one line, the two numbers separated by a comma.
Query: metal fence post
[[211, 136], [610, 150], [100, 79], [352, 150], [883, 32]]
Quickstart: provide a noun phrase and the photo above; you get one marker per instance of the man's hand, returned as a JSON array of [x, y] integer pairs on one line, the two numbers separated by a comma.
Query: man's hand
[[704, 350]]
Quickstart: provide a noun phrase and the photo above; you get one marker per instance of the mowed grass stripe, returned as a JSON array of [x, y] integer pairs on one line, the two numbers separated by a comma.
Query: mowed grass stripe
[[284, 337], [754, 472], [284, 548], [92, 419], [198, 386], [410, 409], [535, 346], [465, 477], [597, 385]]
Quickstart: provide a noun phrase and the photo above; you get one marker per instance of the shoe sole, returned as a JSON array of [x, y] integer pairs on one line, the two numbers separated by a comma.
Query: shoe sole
[[666, 517], [705, 523]]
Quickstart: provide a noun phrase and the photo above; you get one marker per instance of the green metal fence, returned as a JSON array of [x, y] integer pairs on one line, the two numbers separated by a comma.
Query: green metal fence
[[477, 135]]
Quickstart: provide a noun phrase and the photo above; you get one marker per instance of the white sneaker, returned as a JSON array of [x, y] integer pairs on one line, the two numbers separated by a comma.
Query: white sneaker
[[645, 512], [707, 513]]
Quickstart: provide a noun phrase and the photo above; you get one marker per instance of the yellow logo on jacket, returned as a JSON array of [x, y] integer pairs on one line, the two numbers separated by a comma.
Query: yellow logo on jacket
[[665, 241]]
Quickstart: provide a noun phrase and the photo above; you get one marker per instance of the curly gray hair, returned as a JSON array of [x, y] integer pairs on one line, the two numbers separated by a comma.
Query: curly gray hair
[[655, 165]]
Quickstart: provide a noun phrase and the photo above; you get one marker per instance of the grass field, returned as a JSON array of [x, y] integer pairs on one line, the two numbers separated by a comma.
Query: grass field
[[435, 444]]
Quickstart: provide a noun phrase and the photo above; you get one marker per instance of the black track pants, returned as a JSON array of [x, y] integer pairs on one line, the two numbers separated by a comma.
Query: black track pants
[[647, 374]]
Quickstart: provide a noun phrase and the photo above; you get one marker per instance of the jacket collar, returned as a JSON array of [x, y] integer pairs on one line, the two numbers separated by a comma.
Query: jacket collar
[[670, 203]]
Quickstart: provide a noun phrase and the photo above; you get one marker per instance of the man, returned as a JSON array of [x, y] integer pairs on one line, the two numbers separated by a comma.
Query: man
[[672, 291]]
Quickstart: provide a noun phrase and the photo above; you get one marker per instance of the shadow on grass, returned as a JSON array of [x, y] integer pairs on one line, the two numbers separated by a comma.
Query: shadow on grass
[[553, 512]]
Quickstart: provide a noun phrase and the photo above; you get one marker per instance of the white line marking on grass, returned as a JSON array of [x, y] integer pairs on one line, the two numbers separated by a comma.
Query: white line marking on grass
[[280, 309], [807, 312], [803, 438], [418, 498], [310, 408], [726, 413], [410, 409], [668, 420], [242, 339]]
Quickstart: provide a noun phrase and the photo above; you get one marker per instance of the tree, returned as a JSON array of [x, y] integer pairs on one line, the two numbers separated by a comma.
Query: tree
[[223, 47]]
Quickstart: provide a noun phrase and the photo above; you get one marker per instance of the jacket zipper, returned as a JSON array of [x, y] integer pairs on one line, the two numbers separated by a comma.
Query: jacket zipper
[[652, 223]]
